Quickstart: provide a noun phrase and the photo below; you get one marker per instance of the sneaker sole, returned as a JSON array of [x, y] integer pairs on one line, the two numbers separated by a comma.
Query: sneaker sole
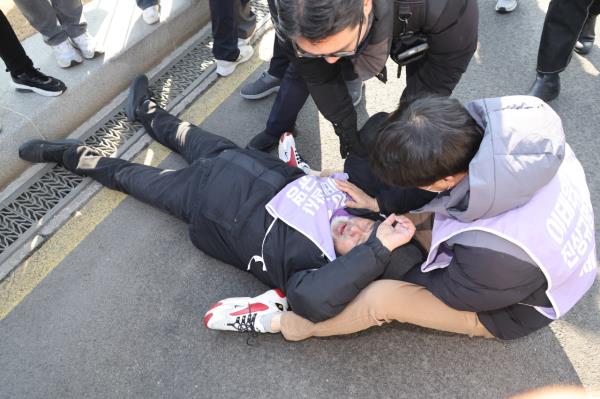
[[72, 63], [260, 95], [96, 53], [28, 89]]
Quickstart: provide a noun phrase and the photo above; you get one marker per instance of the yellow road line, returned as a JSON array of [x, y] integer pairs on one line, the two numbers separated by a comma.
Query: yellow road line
[[21, 281]]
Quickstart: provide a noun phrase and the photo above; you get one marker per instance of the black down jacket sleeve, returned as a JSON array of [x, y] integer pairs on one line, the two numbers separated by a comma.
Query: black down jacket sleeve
[[320, 294], [452, 43]]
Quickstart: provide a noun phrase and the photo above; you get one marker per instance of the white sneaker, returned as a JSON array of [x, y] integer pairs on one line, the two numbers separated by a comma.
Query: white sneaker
[[86, 44], [226, 68], [288, 153], [244, 42], [504, 6], [246, 314], [66, 55], [151, 15]]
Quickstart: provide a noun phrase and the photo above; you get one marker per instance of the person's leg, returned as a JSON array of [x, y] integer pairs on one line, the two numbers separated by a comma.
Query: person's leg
[[562, 25], [168, 190], [279, 62], [184, 138], [384, 301], [70, 15], [42, 17], [11, 51], [143, 4], [292, 95], [224, 29], [245, 19]]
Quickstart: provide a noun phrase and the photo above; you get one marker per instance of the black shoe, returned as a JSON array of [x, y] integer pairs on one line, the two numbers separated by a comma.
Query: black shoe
[[138, 93], [46, 151], [586, 37], [584, 46], [262, 142], [32, 80], [546, 86]]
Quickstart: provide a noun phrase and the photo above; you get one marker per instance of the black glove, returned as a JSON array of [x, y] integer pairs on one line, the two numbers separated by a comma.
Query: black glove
[[348, 134]]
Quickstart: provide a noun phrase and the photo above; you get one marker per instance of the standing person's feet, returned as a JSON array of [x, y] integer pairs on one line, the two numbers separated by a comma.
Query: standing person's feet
[[586, 37], [138, 93], [355, 89], [505, 6], [546, 86], [151, 15], [86, 44], [263, 86], [32, 80], [262, 142], [66, 55], [46, 151], [226, 68]]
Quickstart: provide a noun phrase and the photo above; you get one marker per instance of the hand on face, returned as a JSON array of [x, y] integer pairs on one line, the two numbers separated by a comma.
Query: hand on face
[[359, 199], [393, 236]]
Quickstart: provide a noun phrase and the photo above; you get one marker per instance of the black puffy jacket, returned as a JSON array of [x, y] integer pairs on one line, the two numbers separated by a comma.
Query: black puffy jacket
[[230, 223]]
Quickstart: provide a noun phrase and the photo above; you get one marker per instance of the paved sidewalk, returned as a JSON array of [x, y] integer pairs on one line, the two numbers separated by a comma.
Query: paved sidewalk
[[120, 314]]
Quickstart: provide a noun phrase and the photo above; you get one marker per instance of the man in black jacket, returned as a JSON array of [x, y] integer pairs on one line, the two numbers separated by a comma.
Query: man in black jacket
[[512, 247], [434, 39], [222, 196]]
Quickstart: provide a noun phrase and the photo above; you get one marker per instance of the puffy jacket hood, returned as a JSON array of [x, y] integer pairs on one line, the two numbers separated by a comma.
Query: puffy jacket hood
[[522, 148]]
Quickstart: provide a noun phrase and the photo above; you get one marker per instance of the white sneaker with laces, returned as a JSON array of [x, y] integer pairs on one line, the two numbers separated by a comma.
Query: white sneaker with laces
[[86, 44], [246, 314], [66, 55], [288, 153], [151, 15], [505, 6], [226, 68]]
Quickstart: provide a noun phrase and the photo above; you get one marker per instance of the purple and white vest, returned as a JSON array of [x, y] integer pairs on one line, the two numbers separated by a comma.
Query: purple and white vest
[[555, 229], [307, 204]]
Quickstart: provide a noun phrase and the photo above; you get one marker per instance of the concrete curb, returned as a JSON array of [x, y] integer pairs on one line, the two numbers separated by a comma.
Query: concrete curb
[[131, 47]]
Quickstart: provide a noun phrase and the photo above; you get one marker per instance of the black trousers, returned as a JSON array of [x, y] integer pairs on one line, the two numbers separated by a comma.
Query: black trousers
[[11, 51], [230, 19], [173, 191], [563, 24]]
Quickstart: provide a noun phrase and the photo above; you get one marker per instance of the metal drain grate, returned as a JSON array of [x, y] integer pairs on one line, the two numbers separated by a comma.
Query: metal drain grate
[[20, 215]]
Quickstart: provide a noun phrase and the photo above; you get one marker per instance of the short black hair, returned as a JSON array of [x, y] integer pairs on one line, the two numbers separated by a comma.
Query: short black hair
[[316, 19], [424, 141]]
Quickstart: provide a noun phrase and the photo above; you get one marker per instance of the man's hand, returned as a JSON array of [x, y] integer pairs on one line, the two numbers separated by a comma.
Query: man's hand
[[348, 137], [395, 231], [360, 199]]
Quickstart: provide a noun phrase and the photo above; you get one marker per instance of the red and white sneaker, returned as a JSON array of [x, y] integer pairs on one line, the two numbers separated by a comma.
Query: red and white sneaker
[[244, 314], [289, 154]]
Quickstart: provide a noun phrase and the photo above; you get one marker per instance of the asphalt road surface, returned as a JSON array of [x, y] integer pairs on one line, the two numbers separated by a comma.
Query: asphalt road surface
[[121, 314]]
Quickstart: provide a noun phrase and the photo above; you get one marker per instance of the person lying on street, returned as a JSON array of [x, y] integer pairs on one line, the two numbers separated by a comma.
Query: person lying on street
[[253, 211], [513, 240]]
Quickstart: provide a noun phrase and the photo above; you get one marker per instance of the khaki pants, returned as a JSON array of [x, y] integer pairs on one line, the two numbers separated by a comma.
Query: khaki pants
[[381, 302]]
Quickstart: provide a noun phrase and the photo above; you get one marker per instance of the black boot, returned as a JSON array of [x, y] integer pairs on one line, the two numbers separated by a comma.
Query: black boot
[[138, 93], [262, 142], [546, 86], [586, 37], [46, 151]]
